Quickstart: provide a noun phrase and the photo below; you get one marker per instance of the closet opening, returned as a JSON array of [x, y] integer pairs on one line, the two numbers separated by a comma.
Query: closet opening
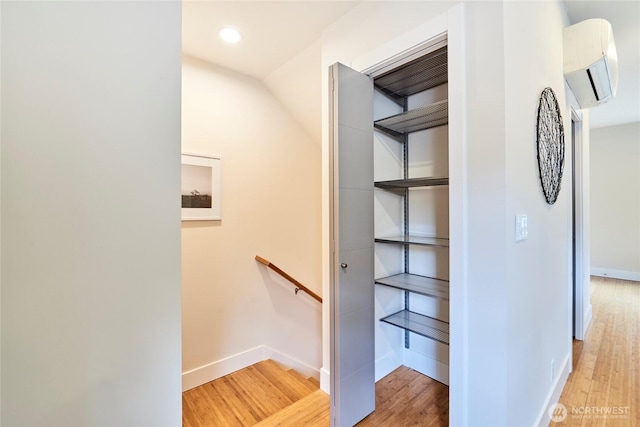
[[411, 215], [389, 153]]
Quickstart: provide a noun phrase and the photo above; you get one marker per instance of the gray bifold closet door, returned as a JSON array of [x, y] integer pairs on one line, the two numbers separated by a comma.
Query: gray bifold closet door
[[352, 245]]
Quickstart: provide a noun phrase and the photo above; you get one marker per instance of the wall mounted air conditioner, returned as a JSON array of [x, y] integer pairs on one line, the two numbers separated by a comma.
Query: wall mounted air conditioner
[[591, 62]]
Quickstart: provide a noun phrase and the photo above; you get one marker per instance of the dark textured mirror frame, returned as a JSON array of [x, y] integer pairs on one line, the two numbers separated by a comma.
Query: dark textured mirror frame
[[550, 143]]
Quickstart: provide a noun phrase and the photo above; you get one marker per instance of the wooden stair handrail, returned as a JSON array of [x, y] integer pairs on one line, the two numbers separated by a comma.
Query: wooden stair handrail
[[299, 286]]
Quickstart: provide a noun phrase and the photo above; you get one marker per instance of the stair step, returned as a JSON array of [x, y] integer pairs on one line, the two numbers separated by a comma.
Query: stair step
[[288, 383], [241, 398], [303, 380], [245, 397], [310, 411], [314, 381]]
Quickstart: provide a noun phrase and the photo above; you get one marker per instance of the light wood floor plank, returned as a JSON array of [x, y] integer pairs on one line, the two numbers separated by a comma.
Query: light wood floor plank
[[262, 399], [606, 373], [408, 398], [240, 399], [310, 411], [293, 386], [228, 404]]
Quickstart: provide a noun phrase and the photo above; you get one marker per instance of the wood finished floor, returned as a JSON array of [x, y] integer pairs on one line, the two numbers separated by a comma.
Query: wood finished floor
[[606, 365], [245, 397], [260, 396], [606, 373], [408, 398], [310, 411]]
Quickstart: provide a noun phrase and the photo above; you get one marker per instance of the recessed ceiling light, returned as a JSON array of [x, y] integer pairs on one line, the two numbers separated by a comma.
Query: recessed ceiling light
[[230, 35]]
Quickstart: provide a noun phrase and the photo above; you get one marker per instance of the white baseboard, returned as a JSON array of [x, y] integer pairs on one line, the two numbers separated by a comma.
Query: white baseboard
[[325, 380], [553, 397], [385, 365], [425, 365], [222, 367], [616, 274], [228, 365]]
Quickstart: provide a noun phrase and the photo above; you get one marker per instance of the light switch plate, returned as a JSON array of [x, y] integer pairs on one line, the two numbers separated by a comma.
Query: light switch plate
[[521, 227]]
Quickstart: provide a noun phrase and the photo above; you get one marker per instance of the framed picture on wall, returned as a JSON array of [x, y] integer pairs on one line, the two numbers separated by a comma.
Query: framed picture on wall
[[201, 188]]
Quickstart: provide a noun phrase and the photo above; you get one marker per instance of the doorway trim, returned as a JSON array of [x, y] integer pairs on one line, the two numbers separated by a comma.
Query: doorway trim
[[580, 244]]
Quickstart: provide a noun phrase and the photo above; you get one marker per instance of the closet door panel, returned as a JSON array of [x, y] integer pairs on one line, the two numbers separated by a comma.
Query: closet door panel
[[351, 224], [356, 220], [356, 158]]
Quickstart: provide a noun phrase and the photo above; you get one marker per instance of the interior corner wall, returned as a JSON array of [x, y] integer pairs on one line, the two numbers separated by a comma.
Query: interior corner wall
[[538, 268], [90, 249], [615, 201], [270, 207]]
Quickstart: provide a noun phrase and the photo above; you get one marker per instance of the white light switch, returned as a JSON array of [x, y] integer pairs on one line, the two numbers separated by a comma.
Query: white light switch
[[521, 227]]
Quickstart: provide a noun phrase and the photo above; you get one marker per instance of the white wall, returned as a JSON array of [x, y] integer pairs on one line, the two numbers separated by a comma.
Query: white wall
[[511, 325], [539, 268], [270, 207], [297, 85], [615, 201], [90, 214], [485, 298]]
